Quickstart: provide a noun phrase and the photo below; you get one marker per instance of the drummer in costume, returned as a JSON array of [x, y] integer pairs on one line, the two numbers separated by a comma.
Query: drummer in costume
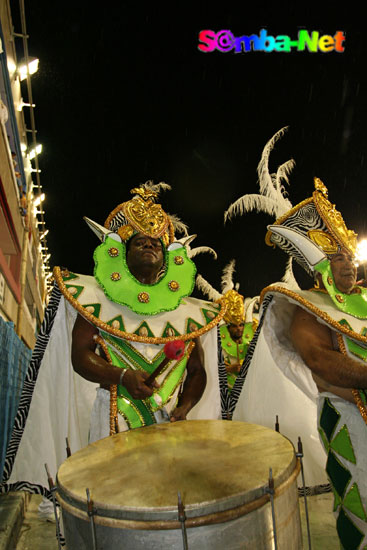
[[239, 324], [318, 340], [136, 302]]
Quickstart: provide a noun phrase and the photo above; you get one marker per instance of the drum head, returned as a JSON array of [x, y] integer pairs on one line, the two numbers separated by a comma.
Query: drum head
[[215, 464]]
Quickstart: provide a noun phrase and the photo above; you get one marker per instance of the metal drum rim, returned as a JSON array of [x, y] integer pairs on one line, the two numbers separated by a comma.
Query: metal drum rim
[[199, 521]]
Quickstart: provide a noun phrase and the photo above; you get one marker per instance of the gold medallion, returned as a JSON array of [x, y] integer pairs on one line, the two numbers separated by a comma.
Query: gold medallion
[[113, 252], [173, 285], [143, 297]]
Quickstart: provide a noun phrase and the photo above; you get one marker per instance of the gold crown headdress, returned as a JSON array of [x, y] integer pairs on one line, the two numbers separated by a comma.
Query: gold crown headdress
[[235, 313], [235, 308], [143, 215], [315, 218], [319, 220]]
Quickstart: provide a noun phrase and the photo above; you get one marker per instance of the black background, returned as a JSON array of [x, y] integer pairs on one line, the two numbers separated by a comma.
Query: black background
[[124, 95]]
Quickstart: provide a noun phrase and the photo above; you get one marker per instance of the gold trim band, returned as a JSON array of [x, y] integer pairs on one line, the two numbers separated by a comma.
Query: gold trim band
[[357, 398], [132, 336], [314, 309]]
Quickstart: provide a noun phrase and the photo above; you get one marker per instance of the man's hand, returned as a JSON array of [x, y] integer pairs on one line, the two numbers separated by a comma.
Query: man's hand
[[134, 382], [194, 385], [179, 413], [233, 368]]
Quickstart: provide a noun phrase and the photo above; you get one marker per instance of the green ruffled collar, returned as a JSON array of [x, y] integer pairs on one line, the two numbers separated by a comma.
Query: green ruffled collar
[[120, 286], [355, 304]]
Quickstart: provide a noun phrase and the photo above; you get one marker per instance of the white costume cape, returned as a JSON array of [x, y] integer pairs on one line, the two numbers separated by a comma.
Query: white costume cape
[[56, 403], [279, 383]]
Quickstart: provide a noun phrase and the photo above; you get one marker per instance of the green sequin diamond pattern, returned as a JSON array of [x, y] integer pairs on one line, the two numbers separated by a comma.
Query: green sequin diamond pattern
[[328, 419]]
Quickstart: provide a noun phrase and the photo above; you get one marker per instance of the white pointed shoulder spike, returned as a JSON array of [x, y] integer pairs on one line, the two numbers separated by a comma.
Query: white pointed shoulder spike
[[311, 253], [101, 231]]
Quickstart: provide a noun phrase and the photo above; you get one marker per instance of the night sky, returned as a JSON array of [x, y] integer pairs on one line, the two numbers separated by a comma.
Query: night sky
[[123, 95]]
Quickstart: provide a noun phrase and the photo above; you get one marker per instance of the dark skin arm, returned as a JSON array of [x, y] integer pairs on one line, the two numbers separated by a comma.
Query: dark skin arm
[[331, 370], [194, 384], [96, 369]]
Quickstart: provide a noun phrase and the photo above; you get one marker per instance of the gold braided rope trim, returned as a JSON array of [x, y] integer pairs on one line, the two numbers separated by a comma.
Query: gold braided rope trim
[[171, 231], [285, 216], [361, 406], [357, 398], [113, 389], [314, 309], [131, 336]]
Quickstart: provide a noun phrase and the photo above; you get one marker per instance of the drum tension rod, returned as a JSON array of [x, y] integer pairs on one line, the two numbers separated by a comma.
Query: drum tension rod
[[53, 489], [299, 455], [182, 519], [270, 490], [68, 450], [276, 423], [91, 512]]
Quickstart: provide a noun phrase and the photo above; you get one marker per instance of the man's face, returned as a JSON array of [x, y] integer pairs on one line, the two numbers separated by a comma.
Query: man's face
[[344, 271], [144, 252], [236, 331]]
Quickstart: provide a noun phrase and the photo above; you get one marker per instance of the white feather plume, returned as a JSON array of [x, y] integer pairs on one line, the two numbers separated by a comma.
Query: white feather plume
[[178, 225], [227, 277], [156, 187], [252, 202], [266, 180], [207, 289], [272, 198], [192, 252]]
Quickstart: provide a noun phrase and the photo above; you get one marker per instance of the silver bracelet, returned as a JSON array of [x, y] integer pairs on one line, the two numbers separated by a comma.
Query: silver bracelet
[[122, 375]]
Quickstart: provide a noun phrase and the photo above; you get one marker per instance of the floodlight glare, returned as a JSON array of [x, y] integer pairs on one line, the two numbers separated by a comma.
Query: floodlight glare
[[30, 68]]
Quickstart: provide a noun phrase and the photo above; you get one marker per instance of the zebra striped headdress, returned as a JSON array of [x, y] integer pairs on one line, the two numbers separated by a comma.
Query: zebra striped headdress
[[316, 220]]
